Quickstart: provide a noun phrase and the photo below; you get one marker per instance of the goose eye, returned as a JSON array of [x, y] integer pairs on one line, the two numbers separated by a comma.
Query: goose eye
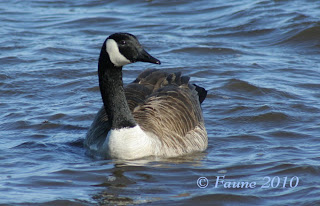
[[122, 42]]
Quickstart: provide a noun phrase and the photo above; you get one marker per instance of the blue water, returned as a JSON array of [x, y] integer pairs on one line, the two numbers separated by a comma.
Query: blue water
[[259, 61]]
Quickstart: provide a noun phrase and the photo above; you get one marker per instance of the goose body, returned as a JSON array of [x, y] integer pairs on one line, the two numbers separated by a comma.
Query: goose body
[[158, 114]]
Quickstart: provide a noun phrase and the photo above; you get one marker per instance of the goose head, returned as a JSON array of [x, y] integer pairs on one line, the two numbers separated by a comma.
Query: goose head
[[124, 48]]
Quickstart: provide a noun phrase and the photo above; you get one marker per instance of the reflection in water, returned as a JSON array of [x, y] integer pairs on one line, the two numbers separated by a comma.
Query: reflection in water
[[124, 175]]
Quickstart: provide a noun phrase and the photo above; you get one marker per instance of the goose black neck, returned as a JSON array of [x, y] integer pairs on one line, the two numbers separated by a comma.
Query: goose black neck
[[112, 92]]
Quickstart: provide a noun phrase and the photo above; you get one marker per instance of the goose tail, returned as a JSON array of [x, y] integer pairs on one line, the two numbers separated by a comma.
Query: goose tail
[[202, 93]]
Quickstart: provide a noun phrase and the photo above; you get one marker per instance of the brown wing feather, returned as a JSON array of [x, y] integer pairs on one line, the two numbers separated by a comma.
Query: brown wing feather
[[173, 114]]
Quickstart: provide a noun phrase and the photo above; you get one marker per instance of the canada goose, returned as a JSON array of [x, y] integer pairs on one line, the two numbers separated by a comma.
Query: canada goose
[[158, 114]]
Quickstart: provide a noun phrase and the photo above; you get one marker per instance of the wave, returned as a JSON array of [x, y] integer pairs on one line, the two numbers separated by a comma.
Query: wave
[[205, 50], [245, 88], [220, 199], [305, 35]]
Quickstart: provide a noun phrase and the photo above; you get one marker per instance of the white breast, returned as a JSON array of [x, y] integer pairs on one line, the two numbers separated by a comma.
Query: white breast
[[130, 143]]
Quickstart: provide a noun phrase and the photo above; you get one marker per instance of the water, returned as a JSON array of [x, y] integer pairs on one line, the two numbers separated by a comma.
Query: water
[[259, 60]]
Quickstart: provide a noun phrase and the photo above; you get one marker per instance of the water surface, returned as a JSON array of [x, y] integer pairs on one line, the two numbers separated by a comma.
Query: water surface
[[259, 61]]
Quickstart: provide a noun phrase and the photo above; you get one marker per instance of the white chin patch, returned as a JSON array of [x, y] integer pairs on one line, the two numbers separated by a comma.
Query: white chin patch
[[115, 56]]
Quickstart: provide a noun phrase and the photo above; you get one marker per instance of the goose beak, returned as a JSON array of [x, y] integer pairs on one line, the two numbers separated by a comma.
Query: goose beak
[[146, 57]]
